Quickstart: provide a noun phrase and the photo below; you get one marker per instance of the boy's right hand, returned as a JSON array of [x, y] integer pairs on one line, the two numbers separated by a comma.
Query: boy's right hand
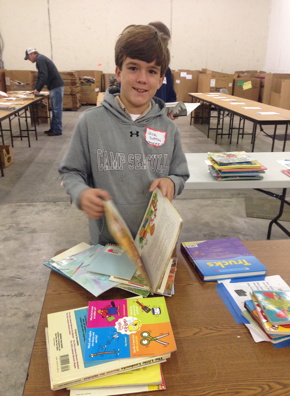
[[92, 202]]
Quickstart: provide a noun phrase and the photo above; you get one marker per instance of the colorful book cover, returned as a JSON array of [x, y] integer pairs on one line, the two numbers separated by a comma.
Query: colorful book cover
[[230, 177], [231, 157], [130, 328], [65, 337], [251, 308], [271, 329], [111, 260], [275, 305], [222, 259], [135, 284], [240, 165], [75, 267], [226, 169]]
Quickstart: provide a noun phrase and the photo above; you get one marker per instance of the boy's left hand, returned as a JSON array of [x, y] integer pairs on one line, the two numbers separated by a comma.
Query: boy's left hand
[[166, 186]]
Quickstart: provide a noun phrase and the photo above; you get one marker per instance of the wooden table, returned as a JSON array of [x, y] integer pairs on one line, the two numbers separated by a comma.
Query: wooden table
[[223, 104], [215, 356]]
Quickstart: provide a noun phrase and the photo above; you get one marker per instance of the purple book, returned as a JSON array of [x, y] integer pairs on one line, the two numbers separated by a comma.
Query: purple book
[[222, 259]]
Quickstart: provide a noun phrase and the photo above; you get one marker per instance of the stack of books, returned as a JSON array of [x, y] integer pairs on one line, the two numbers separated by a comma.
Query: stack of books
[[103, 344], [133, 265], [270, 310], [235, 165], [222, 259]]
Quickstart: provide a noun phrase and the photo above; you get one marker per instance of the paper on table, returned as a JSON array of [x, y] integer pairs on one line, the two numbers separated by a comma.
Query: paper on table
[[267, 112], [241, 291], [3, 93], [285, 163], [252, 108], [235, 103]]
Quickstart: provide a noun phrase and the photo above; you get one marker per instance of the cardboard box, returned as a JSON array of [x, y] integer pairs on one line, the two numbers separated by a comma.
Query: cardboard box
[[42, 111], [106, 80], [247, 88], [201, 112], [214, 81], [2, 80], [19, 80], [100, 98], [185, 82], [266, 80], [6, 155], [89, 90], [280, 91]]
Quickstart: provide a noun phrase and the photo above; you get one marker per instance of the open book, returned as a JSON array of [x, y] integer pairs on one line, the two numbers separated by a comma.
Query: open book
[[180, 108], [152, 249]]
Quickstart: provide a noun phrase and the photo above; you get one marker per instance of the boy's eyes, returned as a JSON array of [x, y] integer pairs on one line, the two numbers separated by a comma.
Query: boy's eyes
[[134, 68]]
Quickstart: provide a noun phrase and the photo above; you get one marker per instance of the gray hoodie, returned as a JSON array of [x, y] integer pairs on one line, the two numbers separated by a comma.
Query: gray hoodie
[[108, 150]]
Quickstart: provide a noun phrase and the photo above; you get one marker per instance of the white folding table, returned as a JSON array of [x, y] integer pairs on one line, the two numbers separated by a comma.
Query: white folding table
[[201, 179]]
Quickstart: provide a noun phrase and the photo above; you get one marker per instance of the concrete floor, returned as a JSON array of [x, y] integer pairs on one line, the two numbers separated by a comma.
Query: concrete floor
[[37, 220]]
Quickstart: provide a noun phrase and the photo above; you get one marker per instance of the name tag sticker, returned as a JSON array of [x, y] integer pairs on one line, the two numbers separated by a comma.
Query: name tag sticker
[[155, 138]]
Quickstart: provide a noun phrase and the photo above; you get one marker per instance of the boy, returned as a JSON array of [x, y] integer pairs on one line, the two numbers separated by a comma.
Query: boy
[[126, 147]]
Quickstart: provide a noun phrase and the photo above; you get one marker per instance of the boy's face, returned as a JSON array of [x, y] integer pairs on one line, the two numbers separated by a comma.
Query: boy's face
[[139, 83]]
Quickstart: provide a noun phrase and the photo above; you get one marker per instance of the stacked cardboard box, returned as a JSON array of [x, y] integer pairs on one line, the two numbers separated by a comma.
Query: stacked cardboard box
[[280, 91], [185, 82], [89, 87], [2, 80], [19, 80], [247, 87], [72, 89], [250, 76], [212, 81]]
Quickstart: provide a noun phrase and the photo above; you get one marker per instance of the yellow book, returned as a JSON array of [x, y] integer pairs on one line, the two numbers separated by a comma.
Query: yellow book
[[144, 376], [250, 165]]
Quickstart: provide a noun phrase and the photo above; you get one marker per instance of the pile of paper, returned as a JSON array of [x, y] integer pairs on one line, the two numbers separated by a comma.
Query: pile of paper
[[239, 298]]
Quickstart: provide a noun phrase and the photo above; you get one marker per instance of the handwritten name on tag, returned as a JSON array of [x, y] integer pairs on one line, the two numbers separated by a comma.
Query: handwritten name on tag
[[155, 138]]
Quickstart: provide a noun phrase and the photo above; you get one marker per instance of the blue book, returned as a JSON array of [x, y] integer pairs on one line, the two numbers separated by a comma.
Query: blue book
[[222, 259]]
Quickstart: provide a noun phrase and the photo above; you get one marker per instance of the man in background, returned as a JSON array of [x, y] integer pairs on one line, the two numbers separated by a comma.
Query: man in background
[[48, 75]]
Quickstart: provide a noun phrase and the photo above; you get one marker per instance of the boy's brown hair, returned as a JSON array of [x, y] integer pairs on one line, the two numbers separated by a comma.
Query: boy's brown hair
[[145, 43]]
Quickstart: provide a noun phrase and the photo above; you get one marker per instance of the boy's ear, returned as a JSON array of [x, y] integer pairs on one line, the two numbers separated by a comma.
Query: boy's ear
[[118, 73], [161, 81]]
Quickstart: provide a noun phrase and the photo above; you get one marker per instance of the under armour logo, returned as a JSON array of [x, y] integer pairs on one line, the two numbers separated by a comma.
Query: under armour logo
[[132, 134]]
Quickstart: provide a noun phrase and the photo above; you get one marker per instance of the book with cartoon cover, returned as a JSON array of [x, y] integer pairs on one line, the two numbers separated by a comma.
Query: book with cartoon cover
[[65, 338], [155, 241], [122, 329], [273, 330], [275, 305], [231, 157]]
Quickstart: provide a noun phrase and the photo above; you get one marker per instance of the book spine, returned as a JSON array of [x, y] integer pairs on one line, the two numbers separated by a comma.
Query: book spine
[[64, 384]]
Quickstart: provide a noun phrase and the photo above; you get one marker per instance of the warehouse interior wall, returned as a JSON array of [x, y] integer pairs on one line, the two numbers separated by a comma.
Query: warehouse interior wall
[[278, 54], [224, 35]]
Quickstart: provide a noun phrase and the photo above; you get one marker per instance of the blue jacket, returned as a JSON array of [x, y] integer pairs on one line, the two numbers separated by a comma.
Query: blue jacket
[[166, 91], [47, 74]]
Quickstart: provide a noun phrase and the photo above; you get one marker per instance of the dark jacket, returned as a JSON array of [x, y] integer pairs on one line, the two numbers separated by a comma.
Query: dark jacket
[[47, 74], [166, 92]]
